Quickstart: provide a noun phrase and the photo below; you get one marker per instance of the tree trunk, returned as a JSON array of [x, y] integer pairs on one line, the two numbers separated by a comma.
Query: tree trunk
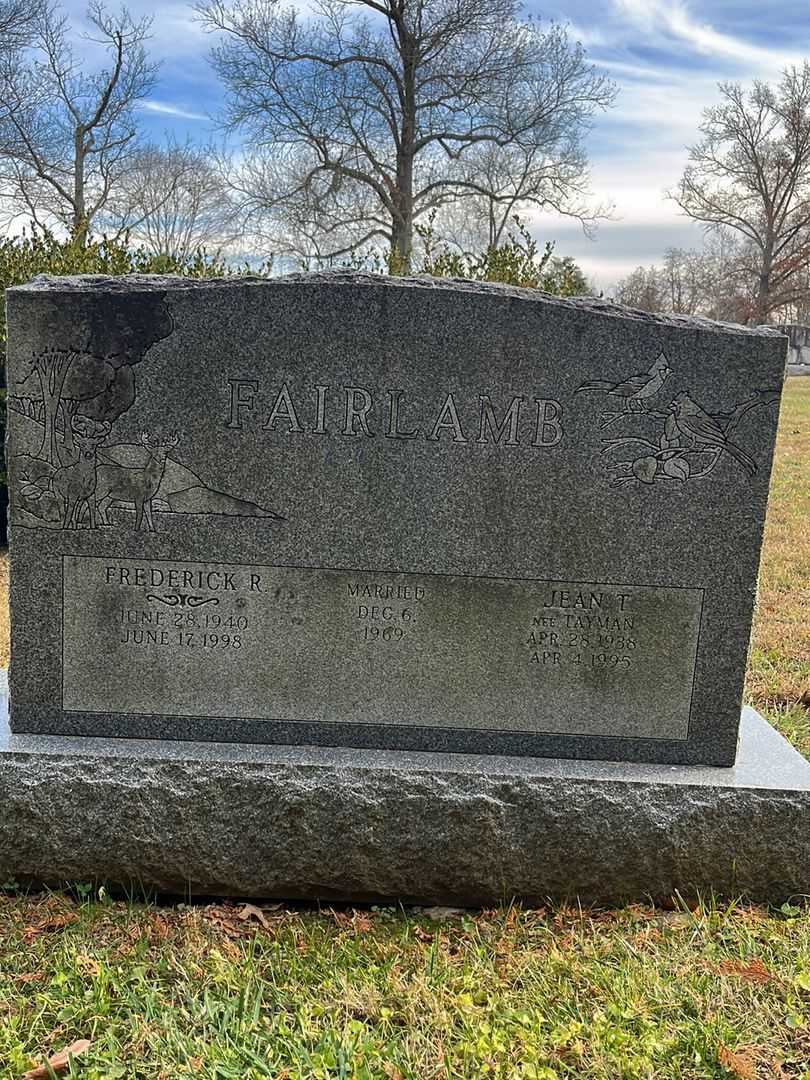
[[403, 216], [80, 225], [49, 450], [68, 411], [402, 220], [52, 373], [494, 232], [762, 304]]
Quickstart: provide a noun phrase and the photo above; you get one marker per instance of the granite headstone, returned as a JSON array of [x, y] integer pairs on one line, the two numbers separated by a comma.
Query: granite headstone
[[366, 512]]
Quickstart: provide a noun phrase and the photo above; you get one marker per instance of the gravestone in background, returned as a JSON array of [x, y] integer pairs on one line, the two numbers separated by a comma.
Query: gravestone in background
[[798, 360], [397, 517]]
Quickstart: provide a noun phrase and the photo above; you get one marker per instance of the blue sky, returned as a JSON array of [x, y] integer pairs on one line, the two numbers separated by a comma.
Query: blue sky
[[666, 58]]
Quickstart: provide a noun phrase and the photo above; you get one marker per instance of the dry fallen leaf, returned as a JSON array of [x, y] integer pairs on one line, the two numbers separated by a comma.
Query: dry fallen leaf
[[750, 970], [59, 1062], [87, 965], [739, 1064], [250, 911], [751, 914], [636, 911], [48, 926], [224, 918], [228, 927], [159, 927], [423, 935], [355, 919]]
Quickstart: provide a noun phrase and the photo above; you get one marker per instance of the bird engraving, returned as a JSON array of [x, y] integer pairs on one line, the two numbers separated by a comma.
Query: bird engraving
[[635, 393], [670, 443], [700, 429], [638, 389]]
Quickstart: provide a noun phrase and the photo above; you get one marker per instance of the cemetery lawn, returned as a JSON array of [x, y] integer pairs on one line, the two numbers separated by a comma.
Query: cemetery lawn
[[221, 991], [778, 682], [216, 992]]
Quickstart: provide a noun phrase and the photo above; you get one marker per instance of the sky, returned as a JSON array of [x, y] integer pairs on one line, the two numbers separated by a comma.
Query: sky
[[666, 59]]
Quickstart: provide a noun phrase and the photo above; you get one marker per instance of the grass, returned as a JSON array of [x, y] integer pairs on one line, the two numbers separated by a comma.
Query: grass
[[198, 992], [226, 991], [778, 679]]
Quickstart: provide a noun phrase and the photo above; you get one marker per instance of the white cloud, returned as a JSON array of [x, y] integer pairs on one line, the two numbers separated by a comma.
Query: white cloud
[[674, 19], [589, 36], [638, 150], [166, 109]]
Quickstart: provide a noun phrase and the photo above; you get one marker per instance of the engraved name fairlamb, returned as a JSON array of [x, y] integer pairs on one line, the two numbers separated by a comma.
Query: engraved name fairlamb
[[356, 411]]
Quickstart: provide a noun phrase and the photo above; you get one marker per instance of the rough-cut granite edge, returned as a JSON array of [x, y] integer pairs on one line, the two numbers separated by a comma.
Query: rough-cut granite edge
[[175, 283], [314, 823], [765, 759]]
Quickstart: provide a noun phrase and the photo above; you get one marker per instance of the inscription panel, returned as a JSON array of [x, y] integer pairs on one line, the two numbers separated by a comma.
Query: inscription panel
[[343, 646]]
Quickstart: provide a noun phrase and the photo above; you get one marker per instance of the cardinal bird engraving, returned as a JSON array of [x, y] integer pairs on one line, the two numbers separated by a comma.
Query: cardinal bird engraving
[[699, 429], [669, 438], [635, 392]]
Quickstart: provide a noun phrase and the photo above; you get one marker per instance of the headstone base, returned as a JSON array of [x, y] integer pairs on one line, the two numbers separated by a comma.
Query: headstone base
[[337, 824]]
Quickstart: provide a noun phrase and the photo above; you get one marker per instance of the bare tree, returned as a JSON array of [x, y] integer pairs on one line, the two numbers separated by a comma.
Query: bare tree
[[18, 20], [729, 287], [377, 109], [751, 174], [797, 311], [17, 23], [173, 201], [685, 280], [295, 216], [66, 136], [712, 282], [550, 174], [642, 288]]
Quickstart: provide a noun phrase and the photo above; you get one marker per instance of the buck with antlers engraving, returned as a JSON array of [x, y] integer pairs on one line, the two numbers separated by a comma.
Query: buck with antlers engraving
[[136, 485], [75, 484]]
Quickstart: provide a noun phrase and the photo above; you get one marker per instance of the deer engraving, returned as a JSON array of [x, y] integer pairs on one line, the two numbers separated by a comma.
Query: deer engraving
[[135, 485], [75, 484]]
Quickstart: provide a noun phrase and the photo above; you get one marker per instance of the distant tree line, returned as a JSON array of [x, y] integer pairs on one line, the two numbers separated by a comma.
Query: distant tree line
[[718, 281]]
